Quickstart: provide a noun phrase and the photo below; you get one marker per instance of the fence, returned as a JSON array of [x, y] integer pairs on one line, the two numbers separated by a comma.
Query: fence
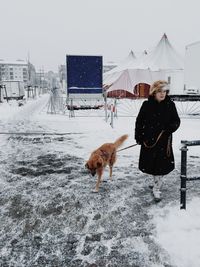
[[184, 177]]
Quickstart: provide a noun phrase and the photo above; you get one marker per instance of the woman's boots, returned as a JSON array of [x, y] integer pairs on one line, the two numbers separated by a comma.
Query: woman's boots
[[156, 187]]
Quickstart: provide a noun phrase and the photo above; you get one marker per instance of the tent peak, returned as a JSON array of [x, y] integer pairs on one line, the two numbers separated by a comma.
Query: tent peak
[[131, 54], [165, 36], [164, 56]]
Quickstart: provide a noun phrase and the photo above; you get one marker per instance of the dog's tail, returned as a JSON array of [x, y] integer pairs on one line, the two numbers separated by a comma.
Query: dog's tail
[[120, 141]]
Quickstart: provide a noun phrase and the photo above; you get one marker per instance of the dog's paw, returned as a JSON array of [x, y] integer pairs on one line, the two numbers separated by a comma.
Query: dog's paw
[[95, 191]]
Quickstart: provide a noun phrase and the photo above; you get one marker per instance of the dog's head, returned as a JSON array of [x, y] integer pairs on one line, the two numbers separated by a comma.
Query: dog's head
[[94, 164]]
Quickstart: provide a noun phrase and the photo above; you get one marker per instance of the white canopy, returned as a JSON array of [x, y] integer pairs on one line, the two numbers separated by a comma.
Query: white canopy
[[145, 69], [164, 57], [124, 64], [110, 76], [134, 72], [129, 78]]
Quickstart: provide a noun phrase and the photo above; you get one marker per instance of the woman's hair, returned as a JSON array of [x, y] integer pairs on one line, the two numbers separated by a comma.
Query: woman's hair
[[158, 85]]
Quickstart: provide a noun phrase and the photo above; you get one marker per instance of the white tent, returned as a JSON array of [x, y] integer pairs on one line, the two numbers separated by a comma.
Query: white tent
[[164, 57], [114, 73], [131, 77], [149, 67], [128, 63], [130, 59], [126, 77], [192, 68]]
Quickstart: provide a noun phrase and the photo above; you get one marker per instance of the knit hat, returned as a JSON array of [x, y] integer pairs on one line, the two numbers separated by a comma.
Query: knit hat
[[157, 85]]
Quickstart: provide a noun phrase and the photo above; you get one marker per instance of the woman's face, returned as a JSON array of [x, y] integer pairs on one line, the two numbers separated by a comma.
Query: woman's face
[[160, 95]]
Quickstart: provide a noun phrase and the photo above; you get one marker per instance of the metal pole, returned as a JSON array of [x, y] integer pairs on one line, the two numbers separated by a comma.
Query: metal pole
[[0, 93], [111, 123], [4, 86], [1, 87], [71, 111], [183, 176], [52, 104], [106, 107], [115, 108]]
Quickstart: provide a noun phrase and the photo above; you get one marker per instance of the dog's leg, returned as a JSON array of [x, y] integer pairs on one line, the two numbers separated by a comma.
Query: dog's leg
[[111, 163], [97, 184], [99, 180], [110, 171]]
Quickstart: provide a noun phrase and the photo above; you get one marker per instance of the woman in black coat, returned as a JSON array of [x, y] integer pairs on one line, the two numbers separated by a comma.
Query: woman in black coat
[[155, 123]]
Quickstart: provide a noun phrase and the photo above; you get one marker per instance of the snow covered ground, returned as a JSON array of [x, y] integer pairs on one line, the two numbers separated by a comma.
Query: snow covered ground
[[50, 217]]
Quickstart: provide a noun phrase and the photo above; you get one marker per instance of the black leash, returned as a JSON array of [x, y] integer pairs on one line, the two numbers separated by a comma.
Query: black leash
[[126, 147]]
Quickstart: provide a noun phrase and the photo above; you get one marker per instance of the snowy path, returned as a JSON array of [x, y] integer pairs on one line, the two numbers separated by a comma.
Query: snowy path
[[49, 217]]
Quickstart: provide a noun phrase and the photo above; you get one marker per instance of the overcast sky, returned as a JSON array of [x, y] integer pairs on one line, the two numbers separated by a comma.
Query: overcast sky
[[50, 29]]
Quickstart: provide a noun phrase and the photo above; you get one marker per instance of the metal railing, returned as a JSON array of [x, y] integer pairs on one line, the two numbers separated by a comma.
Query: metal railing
[[184, 177]]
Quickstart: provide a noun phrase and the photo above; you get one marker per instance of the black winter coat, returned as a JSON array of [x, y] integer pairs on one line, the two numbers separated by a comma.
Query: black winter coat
[[153, 118]]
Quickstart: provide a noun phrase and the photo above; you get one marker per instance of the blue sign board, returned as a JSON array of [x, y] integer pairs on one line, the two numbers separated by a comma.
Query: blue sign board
[[84, 74]]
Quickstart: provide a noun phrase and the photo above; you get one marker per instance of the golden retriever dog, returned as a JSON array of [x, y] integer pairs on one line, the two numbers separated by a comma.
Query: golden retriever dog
[[103, 156]]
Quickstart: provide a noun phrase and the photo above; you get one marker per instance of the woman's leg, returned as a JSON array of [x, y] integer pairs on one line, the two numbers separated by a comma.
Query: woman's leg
[[156, 186]]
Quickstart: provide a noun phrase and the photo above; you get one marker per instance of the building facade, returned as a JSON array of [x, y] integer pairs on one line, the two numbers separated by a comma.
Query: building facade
[[14, 71]]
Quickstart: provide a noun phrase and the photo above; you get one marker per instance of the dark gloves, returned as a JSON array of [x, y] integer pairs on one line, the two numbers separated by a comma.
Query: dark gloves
[[139, 138]]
